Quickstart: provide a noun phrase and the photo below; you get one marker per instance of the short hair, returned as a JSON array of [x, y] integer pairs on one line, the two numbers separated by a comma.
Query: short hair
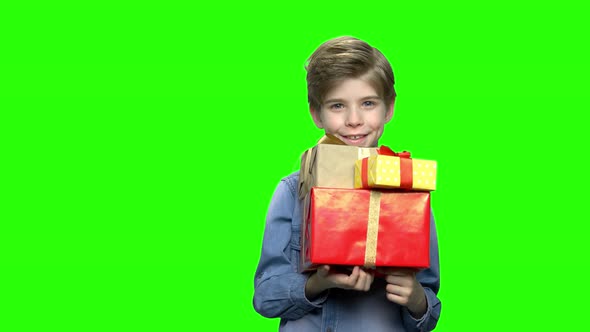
[[344, 58]]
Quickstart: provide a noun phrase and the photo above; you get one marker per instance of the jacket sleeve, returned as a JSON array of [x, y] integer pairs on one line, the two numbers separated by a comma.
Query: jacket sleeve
[[430, 280], [279, 290]]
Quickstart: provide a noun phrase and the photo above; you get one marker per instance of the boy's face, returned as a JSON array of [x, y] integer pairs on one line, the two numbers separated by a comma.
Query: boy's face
[[353, 112]]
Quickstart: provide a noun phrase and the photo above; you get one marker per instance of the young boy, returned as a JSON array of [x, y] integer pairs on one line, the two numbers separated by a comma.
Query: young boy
[[351, 96]]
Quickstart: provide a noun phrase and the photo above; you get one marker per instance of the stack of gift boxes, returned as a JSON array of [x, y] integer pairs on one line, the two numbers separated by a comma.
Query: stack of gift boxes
[[364, 206]]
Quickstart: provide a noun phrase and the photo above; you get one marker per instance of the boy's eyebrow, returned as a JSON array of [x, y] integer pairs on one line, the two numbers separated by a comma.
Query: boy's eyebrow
[[333, 100]]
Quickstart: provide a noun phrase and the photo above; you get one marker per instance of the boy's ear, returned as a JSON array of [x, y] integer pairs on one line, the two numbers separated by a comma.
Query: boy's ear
[[315, 115], [389, 112]]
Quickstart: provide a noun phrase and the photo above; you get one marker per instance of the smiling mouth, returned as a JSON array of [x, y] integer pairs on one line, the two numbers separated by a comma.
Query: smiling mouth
[[355, 137]]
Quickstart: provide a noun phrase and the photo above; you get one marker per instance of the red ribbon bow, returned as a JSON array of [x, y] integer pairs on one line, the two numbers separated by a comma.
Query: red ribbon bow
[[386, 151], [406, 171]]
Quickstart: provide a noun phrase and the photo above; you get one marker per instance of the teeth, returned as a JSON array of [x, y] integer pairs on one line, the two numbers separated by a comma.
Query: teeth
[[354, 137]]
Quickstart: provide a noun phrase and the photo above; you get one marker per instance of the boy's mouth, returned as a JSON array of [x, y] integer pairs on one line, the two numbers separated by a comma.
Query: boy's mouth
[[354, 139]]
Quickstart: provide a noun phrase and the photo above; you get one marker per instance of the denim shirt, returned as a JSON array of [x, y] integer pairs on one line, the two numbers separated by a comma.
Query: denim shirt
[[279, 286]]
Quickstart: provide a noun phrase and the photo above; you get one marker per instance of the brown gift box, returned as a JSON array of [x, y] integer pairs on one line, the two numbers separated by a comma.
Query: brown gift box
[[330, 164]]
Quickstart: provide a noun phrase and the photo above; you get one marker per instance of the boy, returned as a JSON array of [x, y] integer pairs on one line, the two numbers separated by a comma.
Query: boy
[[351, 96]]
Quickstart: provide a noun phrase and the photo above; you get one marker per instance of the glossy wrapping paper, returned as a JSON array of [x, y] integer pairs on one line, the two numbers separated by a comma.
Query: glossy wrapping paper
[[366, 228]]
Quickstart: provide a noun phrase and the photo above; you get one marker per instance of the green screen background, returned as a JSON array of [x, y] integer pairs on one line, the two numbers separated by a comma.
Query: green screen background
[[142, 145]]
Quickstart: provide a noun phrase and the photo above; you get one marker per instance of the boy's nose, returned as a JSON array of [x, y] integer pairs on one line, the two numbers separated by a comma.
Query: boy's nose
[[354, 118]]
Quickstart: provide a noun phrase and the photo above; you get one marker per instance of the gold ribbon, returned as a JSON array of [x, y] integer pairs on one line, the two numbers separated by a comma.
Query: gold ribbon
[[364, 153], [372, 228]]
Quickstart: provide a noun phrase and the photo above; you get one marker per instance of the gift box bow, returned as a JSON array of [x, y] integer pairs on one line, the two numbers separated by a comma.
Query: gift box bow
[[406, 171]]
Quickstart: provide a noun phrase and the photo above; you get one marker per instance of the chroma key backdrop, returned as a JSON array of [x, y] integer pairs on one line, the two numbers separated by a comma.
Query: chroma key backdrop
[[143, 143]]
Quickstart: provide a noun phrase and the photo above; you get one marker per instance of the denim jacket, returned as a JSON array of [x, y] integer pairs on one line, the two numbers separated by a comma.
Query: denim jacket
[[279, 286]]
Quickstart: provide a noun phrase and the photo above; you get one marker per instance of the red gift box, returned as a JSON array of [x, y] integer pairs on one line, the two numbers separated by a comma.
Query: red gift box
[[366, 228]]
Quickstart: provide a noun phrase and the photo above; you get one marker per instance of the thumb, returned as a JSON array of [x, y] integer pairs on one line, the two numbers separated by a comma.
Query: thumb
[[323, 271]]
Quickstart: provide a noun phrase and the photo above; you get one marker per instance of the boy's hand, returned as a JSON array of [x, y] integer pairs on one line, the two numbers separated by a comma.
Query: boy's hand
[[403, 288], [323, 279]]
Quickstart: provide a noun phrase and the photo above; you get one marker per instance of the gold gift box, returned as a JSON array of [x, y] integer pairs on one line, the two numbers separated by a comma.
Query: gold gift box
[[382, 171]]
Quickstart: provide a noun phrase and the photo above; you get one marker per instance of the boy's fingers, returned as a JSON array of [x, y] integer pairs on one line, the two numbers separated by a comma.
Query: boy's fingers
[[323, 271], [362, 280], [403, 271], [368, 281], [365, 280], [397, 270], [396, 299], [398, 280], [354, 276], [391, 279], [397, 290]]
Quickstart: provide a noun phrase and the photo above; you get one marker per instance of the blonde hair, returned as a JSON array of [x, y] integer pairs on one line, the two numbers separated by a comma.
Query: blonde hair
[[344, 58]]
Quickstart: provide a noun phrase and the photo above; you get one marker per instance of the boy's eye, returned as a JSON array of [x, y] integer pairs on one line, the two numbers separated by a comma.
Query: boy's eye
[[337, 106], [368, 103]]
